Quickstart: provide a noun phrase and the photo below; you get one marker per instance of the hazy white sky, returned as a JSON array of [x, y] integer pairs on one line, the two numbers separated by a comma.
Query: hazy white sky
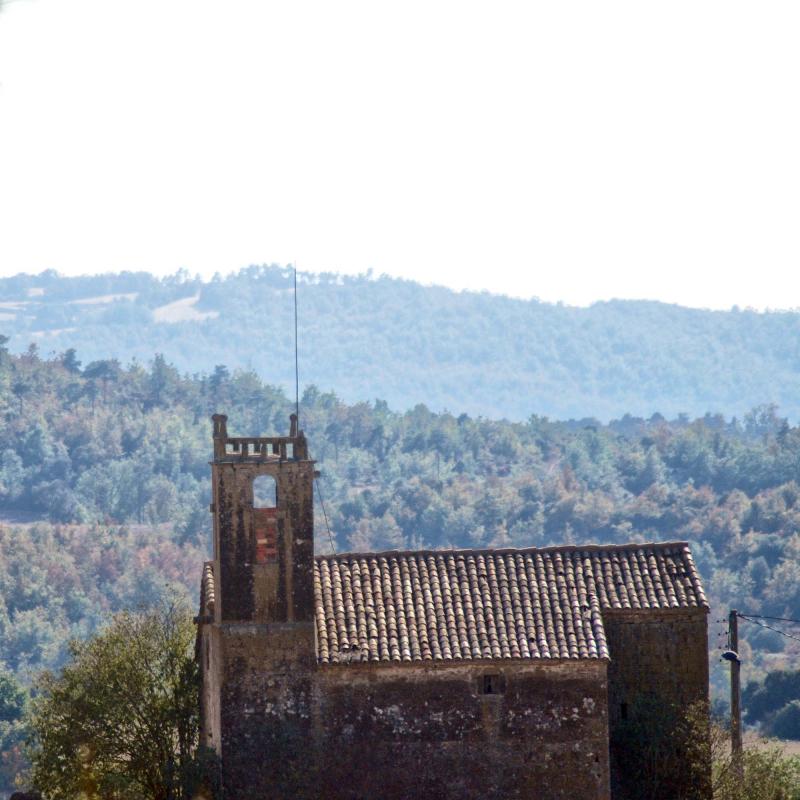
[[569, 150]]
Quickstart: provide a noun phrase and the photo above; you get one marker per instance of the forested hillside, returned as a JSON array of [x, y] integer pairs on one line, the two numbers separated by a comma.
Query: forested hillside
[[104, 489], [409, 344]]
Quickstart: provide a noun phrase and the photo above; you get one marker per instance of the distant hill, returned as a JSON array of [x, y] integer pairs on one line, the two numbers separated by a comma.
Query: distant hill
[[405, 343]]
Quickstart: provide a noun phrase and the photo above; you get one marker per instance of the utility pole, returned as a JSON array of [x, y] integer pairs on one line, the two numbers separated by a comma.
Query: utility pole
[[736, 691]]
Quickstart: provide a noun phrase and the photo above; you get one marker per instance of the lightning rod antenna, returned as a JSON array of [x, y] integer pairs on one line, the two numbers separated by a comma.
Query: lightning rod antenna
[[296, 362]]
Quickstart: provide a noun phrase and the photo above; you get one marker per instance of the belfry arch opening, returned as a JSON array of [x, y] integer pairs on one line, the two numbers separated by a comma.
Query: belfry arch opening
[[265, 492], [265, 519]]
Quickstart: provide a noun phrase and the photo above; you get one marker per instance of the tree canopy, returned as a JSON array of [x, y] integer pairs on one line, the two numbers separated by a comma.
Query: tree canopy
[[120, 719], [12, 727]]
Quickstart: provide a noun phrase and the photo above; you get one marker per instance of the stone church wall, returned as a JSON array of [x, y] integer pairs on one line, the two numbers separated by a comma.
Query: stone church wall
[[290, 729], [658, 669], [432, 732]]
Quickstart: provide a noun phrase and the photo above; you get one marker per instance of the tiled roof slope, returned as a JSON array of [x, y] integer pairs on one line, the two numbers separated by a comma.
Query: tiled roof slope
[[208, 592], [491, 604]]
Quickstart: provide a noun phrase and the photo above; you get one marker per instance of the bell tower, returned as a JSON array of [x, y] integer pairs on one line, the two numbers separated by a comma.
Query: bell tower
[[256, 640], [263, 537]]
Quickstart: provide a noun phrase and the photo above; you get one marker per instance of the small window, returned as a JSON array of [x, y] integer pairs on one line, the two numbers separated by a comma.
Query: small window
[[492, 684], [265, 493], [623, 710]]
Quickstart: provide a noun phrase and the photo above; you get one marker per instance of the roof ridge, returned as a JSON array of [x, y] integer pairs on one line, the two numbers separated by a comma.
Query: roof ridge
[[571, 548]]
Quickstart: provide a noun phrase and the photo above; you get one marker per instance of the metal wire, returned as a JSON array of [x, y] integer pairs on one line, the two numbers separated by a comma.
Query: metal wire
[[762, 616], [325, 514], [770, 627]]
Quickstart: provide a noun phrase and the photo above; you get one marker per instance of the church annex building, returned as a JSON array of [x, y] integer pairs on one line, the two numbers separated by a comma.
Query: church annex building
[[427, 674]]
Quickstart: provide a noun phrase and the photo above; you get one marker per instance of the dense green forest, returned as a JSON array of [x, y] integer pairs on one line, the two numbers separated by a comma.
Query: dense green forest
[[466, 352], [104, 487], [104, 493]]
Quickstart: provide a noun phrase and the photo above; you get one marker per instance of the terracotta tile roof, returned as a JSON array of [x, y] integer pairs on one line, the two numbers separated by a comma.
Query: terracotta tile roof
[[208, 593], [491, 604]]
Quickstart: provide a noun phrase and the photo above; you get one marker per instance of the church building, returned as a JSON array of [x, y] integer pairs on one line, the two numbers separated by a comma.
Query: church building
[[430, 674]]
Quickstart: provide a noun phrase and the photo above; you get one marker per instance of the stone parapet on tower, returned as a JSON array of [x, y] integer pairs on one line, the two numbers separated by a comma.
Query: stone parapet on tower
[[293, 447]]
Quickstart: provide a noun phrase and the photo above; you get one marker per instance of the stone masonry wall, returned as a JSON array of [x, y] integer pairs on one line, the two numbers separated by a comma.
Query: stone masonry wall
[[431, 733], [208, 653], [658, 668], [291, 729], [267, 742]]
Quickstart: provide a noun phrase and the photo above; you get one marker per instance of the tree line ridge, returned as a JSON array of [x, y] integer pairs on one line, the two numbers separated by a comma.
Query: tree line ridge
[[368, 336]]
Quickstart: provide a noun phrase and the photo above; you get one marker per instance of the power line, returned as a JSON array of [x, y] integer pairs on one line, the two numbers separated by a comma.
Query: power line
[[762, 616], [770, 627], [325, 514]]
